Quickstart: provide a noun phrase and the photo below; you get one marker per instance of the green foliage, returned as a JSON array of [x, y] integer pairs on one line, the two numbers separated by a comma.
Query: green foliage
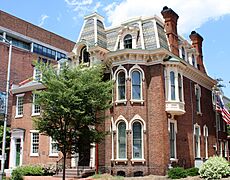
[[7, 138], [215, 168], [177, 173], [192, 171], [74, 99], [21, 171]]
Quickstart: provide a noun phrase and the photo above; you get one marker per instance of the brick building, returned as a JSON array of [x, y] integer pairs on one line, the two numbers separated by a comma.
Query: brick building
[[163, 110], [30, 43]]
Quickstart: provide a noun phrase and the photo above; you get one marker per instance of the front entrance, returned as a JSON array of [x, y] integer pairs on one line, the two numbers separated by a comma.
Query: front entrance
[[16, 148], [86, 153], [18, 151]]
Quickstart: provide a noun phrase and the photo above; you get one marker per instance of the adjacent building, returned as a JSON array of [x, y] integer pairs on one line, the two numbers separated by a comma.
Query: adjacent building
[[163, 111], [30, 44]]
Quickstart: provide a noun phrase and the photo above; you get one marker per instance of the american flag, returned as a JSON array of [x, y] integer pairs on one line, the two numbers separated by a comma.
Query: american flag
[[221, 109]]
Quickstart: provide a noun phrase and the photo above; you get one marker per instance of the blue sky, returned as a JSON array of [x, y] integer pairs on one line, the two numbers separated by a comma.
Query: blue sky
[[210, 18]]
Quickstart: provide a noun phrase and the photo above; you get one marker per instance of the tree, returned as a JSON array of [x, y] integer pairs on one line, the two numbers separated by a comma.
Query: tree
[[72, 104], [7, 141]]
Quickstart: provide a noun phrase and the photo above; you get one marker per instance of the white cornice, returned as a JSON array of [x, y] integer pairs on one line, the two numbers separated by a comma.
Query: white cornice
[[25, 88]]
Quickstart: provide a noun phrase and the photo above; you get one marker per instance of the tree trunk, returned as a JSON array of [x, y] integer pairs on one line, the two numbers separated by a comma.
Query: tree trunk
[[64, 162]]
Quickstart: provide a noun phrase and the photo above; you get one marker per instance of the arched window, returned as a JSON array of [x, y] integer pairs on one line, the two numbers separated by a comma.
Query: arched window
[[121, 85], [121, 140], [172, 81], [183, 53], [136, 85], [128, 41], [193, 60], [180, 86], [137, 140], [198, 96], [84, 56]]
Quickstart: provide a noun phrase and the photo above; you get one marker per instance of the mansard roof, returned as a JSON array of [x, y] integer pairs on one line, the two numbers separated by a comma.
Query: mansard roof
[[148, 32]]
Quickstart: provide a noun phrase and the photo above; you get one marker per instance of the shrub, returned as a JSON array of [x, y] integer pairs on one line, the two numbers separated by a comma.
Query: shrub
[[177, 173], [192, 171], [215, 168], [21, 171]]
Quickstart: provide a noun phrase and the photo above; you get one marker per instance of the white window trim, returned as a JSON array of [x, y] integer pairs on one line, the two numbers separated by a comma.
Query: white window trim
[[34, 75], [117, 153], [31, 142], [205, 130], [225, 148], [33, 108], [17, 115], [142, 77], [197, 87], [142, 139], [168, 84], [221, 149], [50, 149], [175, 128], [194, 133], [118, 70]]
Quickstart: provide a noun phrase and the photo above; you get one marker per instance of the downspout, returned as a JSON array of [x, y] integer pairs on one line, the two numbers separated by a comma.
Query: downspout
[[191, 101], [96, 158]]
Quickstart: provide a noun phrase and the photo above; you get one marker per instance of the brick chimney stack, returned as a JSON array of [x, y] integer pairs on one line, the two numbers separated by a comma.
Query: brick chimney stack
[[197, 44], [171, 28]]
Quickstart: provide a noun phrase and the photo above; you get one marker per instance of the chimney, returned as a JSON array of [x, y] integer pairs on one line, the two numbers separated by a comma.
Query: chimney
[[197, 44], [171, 28]]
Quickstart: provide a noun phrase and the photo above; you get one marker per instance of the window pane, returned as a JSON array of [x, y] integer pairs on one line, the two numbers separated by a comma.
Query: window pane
[[20, 105], [136, 85], [128, 41], [193, 60], [35, 142], [172, 80], [180, 87], [122, 140], [172, 140], [197, 143], [137, 140], [121, 85]]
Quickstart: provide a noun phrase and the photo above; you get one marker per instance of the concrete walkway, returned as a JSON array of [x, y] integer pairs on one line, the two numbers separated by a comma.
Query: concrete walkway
[[51, 178]]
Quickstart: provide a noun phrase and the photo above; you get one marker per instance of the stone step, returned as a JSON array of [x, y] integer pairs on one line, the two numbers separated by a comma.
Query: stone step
[[76, 173]]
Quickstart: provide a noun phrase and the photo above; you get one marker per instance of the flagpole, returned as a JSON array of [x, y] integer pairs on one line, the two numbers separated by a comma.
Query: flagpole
[[215, 90]]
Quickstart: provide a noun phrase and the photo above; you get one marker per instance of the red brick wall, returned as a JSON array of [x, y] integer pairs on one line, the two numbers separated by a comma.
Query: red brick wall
[[185, 123], [18, 25], [26, 123]]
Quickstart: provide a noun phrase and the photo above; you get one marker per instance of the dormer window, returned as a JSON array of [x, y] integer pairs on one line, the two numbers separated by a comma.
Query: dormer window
[[182, 53], [193, 61], [128, 41], [84, 56]]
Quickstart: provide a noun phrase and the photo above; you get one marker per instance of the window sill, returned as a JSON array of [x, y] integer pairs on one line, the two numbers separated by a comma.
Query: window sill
[[18, 116], [138, 161], [53, 155], [121, 161], [137, 101], [121, 102], [173, 160], [35, 114], [34, 155]]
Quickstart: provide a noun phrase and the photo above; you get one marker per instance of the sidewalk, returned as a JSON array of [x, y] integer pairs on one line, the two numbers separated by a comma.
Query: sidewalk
[[51, 178]]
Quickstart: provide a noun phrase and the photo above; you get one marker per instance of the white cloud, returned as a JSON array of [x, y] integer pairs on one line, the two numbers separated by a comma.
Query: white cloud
[[83, 7], [192, 14], [43, 18]]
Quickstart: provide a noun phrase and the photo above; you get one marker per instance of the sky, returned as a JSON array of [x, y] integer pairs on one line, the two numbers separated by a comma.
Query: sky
[[210, 18]]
